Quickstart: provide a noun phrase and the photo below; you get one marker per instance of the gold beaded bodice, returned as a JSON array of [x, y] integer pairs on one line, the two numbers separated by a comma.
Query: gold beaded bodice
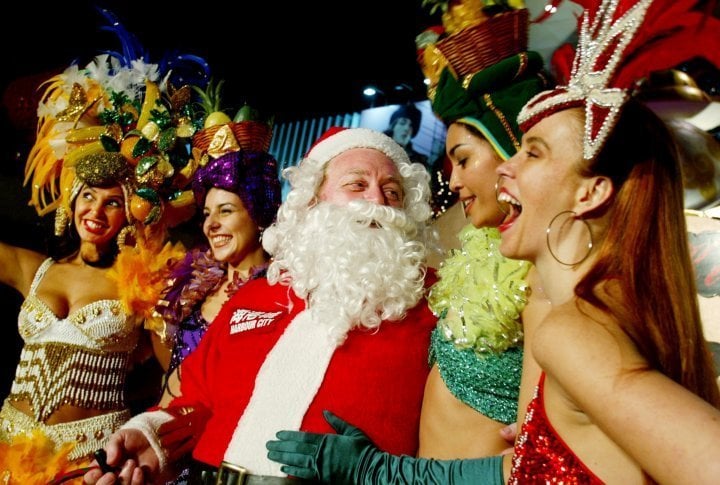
[[81, 360]]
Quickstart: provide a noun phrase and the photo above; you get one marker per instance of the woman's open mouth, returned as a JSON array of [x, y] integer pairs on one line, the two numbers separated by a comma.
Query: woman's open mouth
[[511, 207]]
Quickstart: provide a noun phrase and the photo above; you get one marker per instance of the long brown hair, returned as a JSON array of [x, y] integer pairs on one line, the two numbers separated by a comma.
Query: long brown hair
[[646, 251]]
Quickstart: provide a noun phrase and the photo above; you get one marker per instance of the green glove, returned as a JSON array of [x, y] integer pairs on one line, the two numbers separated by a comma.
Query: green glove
[[350, 457], [333, 458]]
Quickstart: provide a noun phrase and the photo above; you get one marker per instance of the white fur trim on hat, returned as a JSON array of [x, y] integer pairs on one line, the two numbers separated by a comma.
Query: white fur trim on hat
[[345, 140]]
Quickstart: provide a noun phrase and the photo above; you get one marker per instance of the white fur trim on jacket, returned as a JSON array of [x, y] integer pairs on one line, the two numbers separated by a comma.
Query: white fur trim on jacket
[[345, 140], [284, 388], [148, 423]]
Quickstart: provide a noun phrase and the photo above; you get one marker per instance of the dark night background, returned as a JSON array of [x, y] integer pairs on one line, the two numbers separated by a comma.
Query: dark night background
[[295, 59]]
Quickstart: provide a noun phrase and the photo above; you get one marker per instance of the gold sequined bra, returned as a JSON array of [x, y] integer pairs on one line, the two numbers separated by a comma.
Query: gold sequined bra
[[81, 360]]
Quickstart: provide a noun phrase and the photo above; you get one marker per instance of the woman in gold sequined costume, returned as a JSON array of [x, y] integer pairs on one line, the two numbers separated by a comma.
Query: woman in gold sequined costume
[[78, 338], [111, 160]]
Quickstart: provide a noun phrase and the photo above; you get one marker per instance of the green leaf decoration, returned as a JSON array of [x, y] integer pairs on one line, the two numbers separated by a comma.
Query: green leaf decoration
[[141, 147], [162, 118], [145, 164], [109, 143], [148, 194], [166, 140], [210, 96]]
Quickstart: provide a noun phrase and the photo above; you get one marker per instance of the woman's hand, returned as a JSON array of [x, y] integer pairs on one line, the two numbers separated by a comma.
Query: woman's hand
[[132, 458], [332, 458]]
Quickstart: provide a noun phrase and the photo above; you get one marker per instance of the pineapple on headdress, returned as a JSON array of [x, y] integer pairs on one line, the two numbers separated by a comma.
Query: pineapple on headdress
[[249, 129]]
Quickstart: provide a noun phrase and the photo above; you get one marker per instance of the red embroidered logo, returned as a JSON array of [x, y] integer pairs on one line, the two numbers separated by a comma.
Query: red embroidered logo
[[244, 320]]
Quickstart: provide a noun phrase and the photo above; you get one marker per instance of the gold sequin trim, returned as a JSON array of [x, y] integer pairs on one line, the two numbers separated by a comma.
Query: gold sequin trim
[[467, 80], [52, 375], [500, 116], [88, 434], [523, 58]]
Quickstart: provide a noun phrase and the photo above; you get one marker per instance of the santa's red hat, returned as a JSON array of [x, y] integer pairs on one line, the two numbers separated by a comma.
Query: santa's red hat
[[337, 140]]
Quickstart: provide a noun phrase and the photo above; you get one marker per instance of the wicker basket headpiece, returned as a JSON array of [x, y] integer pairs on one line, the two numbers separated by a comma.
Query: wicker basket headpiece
[[250, 135], [475, 47]]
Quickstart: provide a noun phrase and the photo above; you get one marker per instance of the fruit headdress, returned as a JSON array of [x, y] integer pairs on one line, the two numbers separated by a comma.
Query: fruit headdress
[[121, 119], [479, 72], [230, 154], [118, 107]]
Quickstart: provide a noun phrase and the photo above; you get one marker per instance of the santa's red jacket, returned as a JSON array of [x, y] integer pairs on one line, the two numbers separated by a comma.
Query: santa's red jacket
[[374, 380]]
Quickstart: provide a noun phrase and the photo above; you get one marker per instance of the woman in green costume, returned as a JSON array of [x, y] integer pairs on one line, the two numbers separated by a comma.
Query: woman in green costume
[[472, 391]]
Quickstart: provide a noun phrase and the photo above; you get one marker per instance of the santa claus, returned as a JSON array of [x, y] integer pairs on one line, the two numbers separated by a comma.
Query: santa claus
[[340, 322]]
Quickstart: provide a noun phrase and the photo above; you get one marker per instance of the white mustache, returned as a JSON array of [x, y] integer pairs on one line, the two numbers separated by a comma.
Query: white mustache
[[369, 214]]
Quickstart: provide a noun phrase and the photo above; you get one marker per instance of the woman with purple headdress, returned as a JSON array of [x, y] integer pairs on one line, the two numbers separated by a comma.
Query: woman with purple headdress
[[238, 190]]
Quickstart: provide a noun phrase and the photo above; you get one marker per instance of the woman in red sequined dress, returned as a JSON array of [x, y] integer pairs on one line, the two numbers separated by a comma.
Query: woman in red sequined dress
[[626, 391]]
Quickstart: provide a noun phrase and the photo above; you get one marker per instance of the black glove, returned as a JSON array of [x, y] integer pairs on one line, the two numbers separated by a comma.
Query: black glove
[[350, 457]]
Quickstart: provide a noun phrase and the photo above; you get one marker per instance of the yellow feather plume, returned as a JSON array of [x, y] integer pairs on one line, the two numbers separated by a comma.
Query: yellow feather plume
[[141, 273], [46, 162], [33, 459]]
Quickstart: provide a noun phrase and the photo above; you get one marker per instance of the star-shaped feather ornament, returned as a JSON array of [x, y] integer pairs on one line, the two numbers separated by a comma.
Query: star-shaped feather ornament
[[603, 40]]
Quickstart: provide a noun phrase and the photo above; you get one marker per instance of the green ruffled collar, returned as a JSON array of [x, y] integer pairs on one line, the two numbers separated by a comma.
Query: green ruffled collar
[[480, 294]]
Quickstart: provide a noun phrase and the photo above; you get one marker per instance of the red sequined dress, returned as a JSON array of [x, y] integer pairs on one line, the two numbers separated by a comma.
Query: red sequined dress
[[541, 455]]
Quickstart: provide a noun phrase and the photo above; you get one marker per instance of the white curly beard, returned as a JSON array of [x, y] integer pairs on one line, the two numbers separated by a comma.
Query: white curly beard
[[357, 264]]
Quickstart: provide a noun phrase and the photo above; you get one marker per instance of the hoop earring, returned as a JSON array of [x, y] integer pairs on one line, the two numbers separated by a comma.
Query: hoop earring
[[125, 232], [549, 230]]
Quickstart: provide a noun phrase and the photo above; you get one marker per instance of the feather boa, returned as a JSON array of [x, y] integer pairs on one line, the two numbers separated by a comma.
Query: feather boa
[[33, 459], [192, 279], [480, 294], [141, 273]]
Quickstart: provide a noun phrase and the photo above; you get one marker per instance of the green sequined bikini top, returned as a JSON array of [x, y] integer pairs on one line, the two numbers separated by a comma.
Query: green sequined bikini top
[[476, 343]]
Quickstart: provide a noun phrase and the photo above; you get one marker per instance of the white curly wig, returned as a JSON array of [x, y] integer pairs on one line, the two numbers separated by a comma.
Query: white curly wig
[[337, 257]]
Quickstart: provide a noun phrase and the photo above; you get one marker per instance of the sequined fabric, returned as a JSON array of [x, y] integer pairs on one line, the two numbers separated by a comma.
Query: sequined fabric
[[191, 329], [187, 338], [81, 360], [87, 434], [488, 383], [51, 375], [99, 326], [541, 456]]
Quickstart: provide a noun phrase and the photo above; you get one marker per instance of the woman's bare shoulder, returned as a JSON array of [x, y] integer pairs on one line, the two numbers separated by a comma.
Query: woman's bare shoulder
[[18, 266], [578, 341]]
